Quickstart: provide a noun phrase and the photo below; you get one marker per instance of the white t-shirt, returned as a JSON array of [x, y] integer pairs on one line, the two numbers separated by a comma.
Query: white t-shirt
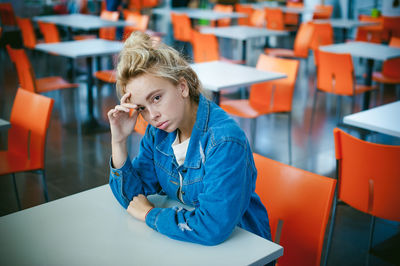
[[180, 150]]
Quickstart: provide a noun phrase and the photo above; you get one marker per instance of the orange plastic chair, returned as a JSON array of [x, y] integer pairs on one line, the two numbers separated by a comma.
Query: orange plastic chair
[[140, 21], [292, 18], [224, 22], [107, 33], [390, 73], [298, 203], [27, 78], [322, 35], [50, 32], [323, 12], [275, 19], [335, 75], [27, 31], [269, 97], [30, 118], [245, 10], [257, 18], [368, 178], [301, 46], [373, 33], [182, 27], [7, 15], [391, 27]]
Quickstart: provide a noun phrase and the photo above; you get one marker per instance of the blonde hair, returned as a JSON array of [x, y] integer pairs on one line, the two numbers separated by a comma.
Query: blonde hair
[[141, 54]]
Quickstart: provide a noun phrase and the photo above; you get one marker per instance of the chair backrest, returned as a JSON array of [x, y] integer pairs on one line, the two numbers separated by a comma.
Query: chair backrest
[[368, 177], [108, 33], [30, 118], [49, 31], [27, 31], [391, 27], [298, 204], [322, 35], [141, 125], [335, 73], [26, 76], [248, 10], [275, 20], [373, 33], [7, 15], [257, 18], [224, 22], [149, 3], [181, 27], [292, 18], [323, 12], [303, 39], [205, 47], [391, 68], [141, 22], [275, 95]]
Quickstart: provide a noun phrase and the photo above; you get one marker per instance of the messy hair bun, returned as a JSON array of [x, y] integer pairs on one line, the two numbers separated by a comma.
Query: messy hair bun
[[142, 54]]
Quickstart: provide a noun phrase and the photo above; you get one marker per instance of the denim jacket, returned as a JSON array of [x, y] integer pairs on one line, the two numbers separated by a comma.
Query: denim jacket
[[219, 178]]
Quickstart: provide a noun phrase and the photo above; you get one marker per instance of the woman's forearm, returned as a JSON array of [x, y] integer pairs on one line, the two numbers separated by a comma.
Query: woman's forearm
[[119, 153]]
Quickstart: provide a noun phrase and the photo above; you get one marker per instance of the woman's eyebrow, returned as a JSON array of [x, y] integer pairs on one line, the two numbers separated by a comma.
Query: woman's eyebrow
[[152, 93]]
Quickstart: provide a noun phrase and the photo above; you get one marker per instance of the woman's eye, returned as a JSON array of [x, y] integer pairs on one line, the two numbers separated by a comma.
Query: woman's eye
[[157, 98]]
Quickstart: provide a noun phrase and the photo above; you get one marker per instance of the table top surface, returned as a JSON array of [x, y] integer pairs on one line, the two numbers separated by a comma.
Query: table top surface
[[364, 50], [242, 32], [218, 75], [345, 23], [383, 119], [4, 124], [83, 48], [197, 13], [91, 228], [81, 21], [295, 10]]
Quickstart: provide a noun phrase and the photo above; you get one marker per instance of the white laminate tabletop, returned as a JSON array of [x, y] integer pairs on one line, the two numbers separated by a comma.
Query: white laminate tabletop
[[242, 32], [345, 23], [91, 228], [4, 124], [84, 48], [218, 75], [364, 50], [383, 119], [196, 13], [81, 21]]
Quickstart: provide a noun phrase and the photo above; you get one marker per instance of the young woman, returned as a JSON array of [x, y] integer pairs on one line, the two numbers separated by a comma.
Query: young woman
[[192, 150]]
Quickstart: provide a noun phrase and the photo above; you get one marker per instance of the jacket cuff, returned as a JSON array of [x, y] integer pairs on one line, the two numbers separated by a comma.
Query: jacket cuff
[[152, 217], [117, 172]]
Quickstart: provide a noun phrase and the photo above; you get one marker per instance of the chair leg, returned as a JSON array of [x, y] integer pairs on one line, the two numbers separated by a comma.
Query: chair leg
[[290, 137], [370, 238], [353, 103], [44, 184], [313, 109], [16, 191], [338, 108]]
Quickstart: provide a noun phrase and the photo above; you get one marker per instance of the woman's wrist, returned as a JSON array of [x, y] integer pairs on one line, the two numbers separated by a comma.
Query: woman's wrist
[[147, 213]]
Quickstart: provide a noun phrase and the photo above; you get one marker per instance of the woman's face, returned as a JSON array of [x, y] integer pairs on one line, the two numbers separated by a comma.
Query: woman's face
[[160, 102]]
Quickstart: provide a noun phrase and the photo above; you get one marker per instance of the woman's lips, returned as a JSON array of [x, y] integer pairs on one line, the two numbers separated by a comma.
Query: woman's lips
[[162, 125]]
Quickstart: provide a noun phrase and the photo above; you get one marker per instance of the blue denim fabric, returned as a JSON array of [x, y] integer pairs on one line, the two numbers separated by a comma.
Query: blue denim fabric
[[219, 177]]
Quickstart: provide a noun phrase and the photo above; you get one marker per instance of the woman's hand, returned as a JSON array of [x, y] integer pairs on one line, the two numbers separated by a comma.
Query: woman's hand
[[121, 122], [139, 207]]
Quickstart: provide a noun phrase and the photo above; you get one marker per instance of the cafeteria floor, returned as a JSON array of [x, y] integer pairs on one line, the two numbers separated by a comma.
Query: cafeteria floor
[[75, 163]]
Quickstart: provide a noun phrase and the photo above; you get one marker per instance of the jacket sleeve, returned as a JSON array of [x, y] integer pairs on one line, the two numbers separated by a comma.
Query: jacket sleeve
[[136, 177], [225, 198]]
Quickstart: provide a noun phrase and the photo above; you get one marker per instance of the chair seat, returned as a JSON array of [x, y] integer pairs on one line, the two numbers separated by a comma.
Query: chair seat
[[280, 52], [84, 37], [241, 108], [53, 83], [233, 61], [11, 163], [379, 77], [363, 88], [108, 76]]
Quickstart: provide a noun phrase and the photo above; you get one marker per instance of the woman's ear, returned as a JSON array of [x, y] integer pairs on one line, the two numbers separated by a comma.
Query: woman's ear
[[183, 88]]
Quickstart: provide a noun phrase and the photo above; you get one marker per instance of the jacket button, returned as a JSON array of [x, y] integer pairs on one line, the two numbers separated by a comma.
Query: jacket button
[[183, 192], [184, 170], [116, 173]]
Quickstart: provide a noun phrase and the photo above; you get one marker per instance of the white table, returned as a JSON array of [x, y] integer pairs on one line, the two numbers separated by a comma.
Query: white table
[[197, 13], [91, 228], [369, 51], [345, 24], [383, 119], [84, 49], [216, 76], [243, 34], [81, 21]]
